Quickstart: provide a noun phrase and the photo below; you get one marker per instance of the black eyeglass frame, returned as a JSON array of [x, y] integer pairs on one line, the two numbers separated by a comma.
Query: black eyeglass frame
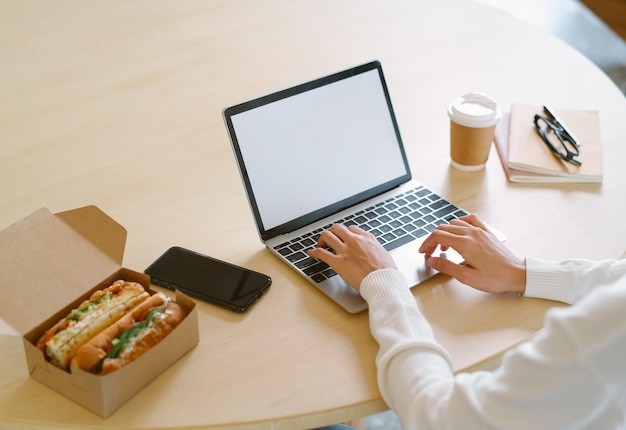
[[565, 137]]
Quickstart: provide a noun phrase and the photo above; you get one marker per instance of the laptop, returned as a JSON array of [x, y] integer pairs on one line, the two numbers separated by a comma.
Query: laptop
[[329, 151]]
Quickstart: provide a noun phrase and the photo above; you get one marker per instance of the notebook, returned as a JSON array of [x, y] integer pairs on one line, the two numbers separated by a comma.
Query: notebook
[[330, 151], [526, 158]]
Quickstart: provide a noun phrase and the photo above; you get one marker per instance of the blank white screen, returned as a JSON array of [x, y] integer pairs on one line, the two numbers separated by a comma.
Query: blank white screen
[[318, 147]]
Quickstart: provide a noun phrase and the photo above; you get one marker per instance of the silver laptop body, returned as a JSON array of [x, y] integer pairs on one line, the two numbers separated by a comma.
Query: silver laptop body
[[328, 151]]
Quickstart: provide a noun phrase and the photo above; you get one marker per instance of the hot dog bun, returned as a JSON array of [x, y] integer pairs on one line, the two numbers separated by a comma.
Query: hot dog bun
[[93, 352], [103, 308], [131, 336]]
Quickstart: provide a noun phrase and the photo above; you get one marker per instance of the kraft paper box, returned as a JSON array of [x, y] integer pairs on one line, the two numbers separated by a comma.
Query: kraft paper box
[[49, 264]]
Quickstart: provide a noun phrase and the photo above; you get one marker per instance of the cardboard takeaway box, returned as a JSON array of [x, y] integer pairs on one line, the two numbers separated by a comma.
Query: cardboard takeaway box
[[48, 265]]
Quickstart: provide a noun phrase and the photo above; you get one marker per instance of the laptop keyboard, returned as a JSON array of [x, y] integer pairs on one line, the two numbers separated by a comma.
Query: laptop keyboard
[[394, 222]]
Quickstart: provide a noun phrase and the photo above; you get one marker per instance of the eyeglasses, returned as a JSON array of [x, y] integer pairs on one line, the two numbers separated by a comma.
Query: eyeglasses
[[555, 134]]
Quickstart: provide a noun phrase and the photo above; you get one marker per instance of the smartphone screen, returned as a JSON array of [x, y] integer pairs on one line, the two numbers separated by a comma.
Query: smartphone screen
[[207, 278]]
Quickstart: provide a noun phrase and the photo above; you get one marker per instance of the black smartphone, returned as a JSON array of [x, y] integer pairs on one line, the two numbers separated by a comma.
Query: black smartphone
[[216, 281]]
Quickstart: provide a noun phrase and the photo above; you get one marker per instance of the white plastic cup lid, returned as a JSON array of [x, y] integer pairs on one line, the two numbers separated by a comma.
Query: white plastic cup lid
[[475, 110]]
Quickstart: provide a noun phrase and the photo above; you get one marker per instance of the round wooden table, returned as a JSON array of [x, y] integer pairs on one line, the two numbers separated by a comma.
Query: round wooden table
[[118, 104]]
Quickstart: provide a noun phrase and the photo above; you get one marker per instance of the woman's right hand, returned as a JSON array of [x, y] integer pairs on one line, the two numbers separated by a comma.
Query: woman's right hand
[[489, 265]]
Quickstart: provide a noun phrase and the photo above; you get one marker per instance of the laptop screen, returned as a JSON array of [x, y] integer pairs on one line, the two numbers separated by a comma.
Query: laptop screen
[[312, 150]]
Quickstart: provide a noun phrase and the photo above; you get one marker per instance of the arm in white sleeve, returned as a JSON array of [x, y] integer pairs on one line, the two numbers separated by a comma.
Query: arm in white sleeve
[[407, 345], [569, 376], [568, 281]]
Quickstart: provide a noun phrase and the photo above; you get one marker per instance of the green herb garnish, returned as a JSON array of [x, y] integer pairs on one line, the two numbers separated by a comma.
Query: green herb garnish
[[131, 332]]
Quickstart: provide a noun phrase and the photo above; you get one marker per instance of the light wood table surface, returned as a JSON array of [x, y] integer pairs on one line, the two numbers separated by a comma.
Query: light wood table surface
[[119, 103]]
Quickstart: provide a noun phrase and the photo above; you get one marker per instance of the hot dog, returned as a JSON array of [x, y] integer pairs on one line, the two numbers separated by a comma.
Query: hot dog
[[130, 337], [104, 307]]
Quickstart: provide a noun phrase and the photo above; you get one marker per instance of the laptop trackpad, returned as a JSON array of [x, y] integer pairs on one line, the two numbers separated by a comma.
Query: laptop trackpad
[[413, 265]]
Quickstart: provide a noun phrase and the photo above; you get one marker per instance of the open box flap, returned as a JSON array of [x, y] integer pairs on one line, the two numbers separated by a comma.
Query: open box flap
[[45, 264], [98, 228]]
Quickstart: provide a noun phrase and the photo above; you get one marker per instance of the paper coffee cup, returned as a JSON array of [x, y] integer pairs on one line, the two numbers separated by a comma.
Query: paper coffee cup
[[473, 119]]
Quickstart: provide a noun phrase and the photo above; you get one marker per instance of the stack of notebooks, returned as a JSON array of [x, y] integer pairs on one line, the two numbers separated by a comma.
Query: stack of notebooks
[[526, 158]]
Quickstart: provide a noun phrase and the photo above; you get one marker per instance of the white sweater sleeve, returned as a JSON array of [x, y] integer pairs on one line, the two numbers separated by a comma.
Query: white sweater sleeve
[[408, 349], [570, 280], [563, 378]]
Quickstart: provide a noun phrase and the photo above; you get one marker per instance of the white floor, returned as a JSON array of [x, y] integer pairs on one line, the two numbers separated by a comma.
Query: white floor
[[383, 421]]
